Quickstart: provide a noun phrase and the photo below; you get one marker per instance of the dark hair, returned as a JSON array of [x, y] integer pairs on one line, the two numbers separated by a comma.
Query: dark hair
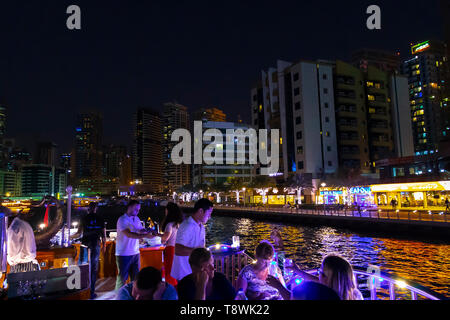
[[199, 256], [92, 206], [148, 278], [341, 279], [310, 290], [264, 250], [132, 203], [204, 204], [173, 215]]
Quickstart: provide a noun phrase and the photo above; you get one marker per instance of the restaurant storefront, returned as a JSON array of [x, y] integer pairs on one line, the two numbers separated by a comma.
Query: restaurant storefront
[[274, 199], [359, 195], [420, 195]]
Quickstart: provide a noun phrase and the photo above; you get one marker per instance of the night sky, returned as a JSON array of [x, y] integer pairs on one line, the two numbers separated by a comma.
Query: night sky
[[133, 54]]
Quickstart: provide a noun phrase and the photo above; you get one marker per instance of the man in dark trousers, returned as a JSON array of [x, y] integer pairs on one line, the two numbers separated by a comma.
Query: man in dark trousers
[[94, 233]]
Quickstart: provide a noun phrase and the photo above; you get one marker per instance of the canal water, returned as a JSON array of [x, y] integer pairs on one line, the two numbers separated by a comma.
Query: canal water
[[427, 263]]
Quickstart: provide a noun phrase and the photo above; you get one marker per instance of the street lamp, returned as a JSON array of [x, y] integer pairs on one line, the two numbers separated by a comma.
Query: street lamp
[[243, 189], [323, 184]]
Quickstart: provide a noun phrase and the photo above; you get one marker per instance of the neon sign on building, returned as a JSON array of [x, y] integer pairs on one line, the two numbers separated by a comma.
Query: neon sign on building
[[420, 47]]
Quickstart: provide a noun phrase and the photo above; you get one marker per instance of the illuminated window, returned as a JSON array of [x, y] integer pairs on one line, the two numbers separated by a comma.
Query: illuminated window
[[281, 140], [371, 110], [434, 85], [369, 84], [260, 107], [371, 97], [377, 86]]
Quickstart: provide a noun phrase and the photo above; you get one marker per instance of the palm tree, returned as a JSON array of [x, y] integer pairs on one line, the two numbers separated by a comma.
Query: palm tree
[[297, 183], [262, 185], [236, 185], [217, 189]]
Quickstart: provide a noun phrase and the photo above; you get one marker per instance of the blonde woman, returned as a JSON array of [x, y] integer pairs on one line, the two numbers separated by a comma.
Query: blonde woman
[[337, 274]]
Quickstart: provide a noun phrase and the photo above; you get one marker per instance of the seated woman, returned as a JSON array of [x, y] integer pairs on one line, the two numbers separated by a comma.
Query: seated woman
[[310, 290], [337, 274], [255, 280], [203, 283], [147, 286]]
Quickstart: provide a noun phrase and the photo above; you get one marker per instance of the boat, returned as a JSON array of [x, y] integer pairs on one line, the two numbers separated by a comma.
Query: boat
[[58, 262]]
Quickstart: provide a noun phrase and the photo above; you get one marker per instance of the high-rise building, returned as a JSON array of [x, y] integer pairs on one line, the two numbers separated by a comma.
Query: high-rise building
[[87, 156], [147, 150], [126, 175], [371, 105], [445, 137], [64, 161], [382, 60], [333, 116], [427, 71], [10, 183], [222, 173], [297, 99], [175, 116], [17, 158], [3, 155], [39, 180], [210, 114], [45, 153], [112, 160]]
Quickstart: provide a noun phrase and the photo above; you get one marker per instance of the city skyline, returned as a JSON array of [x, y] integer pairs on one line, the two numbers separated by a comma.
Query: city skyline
[[107, 66]]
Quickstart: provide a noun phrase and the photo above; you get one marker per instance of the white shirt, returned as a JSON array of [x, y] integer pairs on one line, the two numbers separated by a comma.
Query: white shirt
[[126, 246], [173, 234], [21, 243], [190, 234]]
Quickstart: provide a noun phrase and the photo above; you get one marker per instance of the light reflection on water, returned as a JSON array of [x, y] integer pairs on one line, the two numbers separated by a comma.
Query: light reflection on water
[[427, 263]]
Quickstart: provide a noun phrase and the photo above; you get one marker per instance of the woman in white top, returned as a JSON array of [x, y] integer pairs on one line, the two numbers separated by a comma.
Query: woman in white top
[[170, 226]]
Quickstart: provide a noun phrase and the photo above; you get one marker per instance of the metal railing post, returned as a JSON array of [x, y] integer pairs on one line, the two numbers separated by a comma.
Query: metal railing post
[[391, 291]]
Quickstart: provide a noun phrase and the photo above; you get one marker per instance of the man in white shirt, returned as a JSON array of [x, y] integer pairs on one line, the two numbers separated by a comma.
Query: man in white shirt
[[129, 232], [191, 235], [21, 246]]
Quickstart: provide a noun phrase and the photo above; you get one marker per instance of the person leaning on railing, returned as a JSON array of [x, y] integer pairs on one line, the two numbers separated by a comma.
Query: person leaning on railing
[[337, 274]]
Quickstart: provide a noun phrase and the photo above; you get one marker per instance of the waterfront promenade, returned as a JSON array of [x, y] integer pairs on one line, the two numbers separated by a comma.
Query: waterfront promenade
[[397, 221]]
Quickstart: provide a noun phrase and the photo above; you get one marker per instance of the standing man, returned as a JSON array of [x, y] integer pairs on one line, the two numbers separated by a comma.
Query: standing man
[[129, 232], [191, 235], [94, 233], [447, 205]]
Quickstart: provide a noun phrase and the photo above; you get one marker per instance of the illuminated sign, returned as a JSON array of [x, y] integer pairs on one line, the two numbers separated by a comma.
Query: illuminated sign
[[360, 190], [331, 193], [420, 47], [405, 187], [276, 200]]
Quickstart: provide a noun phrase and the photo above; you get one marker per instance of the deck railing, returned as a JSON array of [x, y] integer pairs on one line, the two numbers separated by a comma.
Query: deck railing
[[345, 211], [384, 286]]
